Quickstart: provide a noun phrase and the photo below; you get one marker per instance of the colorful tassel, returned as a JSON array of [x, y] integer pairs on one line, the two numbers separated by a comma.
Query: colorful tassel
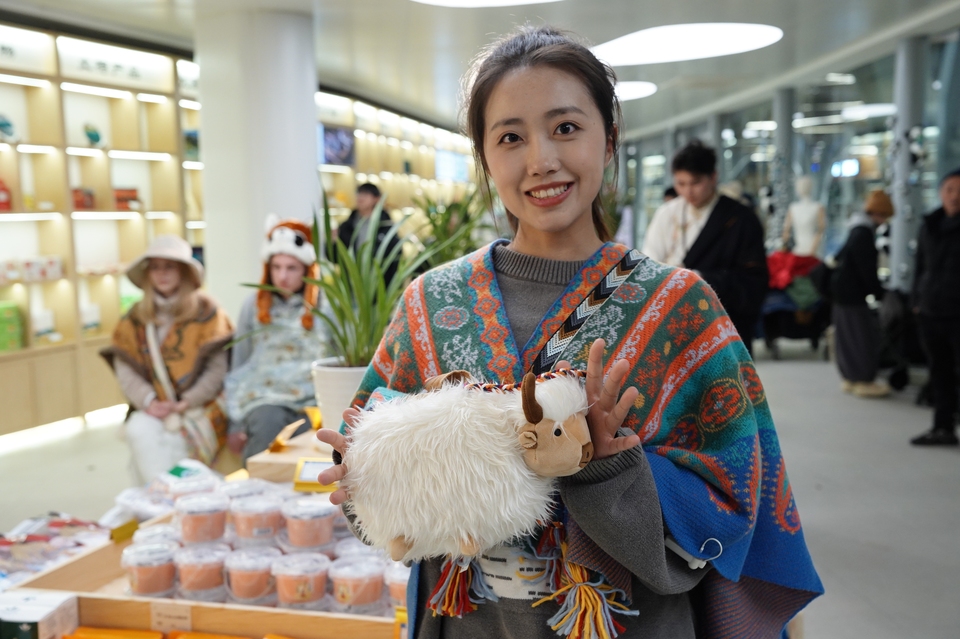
[[586, 607], [548, 549], [460, 589]]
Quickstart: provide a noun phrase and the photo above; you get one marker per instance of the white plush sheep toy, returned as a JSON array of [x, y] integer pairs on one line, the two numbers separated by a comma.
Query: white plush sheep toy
[[464, 466]]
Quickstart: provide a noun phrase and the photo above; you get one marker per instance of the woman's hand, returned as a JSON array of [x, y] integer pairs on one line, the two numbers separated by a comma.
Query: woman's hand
[[606, 414], [236, 442], [340, 444], [159, 408], [180, 407]]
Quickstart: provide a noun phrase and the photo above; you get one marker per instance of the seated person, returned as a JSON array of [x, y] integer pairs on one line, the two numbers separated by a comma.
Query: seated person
[[269, 382]]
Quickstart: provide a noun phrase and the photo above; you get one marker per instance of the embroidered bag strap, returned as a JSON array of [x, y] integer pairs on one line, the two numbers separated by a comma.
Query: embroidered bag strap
[[551, 351]]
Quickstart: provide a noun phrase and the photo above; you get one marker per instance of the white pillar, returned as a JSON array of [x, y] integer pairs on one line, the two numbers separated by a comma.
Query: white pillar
[[715, 140], [257, 80], [908, 91], [784, 106]]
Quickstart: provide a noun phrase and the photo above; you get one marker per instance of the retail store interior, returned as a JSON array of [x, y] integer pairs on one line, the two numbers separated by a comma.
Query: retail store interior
[[145, 435]]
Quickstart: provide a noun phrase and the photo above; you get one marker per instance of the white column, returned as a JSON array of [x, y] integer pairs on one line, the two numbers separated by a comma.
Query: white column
[[715, 140], [784, 106], [257, 80], [908, 90]]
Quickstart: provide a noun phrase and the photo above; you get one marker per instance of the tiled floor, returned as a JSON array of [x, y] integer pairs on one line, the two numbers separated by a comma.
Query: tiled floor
[[882, 519]]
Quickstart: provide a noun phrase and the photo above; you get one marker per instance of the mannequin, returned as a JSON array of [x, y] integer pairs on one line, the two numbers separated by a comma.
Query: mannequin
[[806, 219]]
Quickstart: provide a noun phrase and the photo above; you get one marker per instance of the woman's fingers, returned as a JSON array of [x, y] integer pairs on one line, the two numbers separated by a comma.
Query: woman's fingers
[[334, 439], [337, 497], [332, 475], [619, 413], [610, 390], [595, 370], [351, 416]]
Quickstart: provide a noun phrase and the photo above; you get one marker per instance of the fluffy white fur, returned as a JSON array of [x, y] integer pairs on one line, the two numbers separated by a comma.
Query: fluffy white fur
[[445, 466]]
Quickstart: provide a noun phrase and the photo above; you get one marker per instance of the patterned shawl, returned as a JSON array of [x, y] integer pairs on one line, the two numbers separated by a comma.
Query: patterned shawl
[[702, 416]]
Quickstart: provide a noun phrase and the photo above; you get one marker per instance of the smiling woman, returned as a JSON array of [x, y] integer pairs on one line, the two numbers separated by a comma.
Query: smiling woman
[[677, 496]]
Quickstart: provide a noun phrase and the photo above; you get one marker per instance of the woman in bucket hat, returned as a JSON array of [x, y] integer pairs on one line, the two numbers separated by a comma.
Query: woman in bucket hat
[[269, 382], [169, 358]]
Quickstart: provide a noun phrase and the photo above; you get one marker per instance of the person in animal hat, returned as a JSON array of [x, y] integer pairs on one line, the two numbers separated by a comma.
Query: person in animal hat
[[169, 358], [269, 381]]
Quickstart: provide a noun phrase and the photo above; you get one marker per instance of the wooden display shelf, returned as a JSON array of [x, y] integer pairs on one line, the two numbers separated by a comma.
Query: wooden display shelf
[[100, 583], [279, 467]]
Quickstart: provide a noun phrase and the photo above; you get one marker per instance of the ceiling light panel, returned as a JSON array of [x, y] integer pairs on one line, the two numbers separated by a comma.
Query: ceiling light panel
[[681, 42], [635, 90]]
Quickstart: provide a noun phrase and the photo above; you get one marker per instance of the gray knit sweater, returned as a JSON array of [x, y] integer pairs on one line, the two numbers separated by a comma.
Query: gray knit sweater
[[614, 500]]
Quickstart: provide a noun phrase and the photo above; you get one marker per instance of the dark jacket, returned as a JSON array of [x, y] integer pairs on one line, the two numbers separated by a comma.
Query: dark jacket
[[347, 232], [855, 276], [936, 284], [730, 256]]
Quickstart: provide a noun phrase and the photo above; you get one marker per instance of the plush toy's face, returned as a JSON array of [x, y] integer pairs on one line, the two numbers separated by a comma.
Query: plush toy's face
[[557, 449]]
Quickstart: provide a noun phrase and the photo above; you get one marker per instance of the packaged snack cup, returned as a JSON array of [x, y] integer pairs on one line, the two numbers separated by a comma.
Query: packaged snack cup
[[301, 579], [200, 569], [203, 517], [244, 488], [157, 534], [397, 576], [248, 575], [353, 546], [150, 568], [357, 580], [309, 522], [257, 519]]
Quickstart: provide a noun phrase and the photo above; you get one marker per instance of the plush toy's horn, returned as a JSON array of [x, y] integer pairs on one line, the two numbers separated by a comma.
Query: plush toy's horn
[[528, 392]]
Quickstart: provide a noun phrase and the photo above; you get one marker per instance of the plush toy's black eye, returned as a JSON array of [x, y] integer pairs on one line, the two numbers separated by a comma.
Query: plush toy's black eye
[[299, 240], [557, 433]]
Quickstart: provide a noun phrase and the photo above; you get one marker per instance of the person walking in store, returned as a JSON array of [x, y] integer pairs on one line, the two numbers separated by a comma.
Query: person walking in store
[[714, 235], [169, 358], [355, 230], [678, 418], [669, 194], [269, 381], [856, 327], [936, 300]]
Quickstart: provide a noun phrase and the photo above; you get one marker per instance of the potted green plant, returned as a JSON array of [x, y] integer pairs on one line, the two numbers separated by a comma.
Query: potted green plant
[[357, 303], [466, 219]]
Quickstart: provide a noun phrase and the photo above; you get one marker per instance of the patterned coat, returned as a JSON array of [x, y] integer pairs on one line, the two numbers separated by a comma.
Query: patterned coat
[[702, 416]]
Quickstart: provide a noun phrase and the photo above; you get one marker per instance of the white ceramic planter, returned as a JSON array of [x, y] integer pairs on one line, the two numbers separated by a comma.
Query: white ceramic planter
[[334, 386]]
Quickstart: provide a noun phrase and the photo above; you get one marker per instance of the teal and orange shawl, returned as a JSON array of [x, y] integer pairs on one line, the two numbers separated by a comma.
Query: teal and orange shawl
[[702, 416]]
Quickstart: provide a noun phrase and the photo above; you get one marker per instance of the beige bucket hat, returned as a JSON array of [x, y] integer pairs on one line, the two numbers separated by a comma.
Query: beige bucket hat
[[167, 247]]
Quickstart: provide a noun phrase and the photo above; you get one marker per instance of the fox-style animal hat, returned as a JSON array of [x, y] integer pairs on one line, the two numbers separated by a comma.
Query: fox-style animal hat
[[294, 238]]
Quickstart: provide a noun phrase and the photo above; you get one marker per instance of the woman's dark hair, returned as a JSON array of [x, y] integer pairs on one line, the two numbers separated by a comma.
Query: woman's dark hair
[[696, 159], [530, 47]]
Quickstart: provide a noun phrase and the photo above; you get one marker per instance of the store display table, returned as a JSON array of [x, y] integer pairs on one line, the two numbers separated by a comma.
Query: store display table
[[280, 466]]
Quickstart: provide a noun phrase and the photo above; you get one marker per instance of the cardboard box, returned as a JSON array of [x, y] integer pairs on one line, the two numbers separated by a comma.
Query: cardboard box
[[14, 343], [37, 614], [53, 265], [83, 199], [9, 311], [10, 270]]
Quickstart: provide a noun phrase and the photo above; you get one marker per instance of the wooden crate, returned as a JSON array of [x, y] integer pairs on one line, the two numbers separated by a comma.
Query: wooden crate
[[100, 583]]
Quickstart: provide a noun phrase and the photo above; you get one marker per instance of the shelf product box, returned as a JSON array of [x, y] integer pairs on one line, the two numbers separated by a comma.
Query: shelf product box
[[127, 199], [10, 312], [11, 343], [47, 268], [9, 271], [37, 614], [83, 200]]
